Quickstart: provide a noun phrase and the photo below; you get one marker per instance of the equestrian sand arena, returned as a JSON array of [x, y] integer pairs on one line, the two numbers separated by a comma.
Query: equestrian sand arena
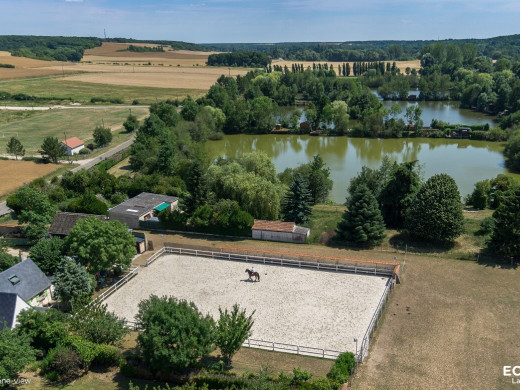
[[292, 305]]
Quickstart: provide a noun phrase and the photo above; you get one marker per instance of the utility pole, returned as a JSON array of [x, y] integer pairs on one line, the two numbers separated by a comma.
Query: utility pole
[[65, 135]]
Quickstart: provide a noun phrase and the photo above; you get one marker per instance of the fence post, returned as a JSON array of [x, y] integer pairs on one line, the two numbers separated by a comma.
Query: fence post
[[323, 353], [297, 350], [273, 345]]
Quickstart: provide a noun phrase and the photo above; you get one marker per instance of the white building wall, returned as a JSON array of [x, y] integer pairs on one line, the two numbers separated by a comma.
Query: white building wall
[[72, 152], [277, 236], [20, 305]]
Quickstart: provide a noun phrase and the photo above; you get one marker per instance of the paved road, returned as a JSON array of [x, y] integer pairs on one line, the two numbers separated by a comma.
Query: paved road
[[89, 163]]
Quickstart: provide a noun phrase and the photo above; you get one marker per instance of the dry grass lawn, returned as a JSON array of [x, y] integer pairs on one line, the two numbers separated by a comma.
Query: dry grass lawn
[[402, 65], [14, 174]]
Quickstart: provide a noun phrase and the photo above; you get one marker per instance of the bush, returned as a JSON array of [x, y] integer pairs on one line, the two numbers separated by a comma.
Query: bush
[[84, 348], [486, 226], [85, 151], [88, 203], [62, 363], [106, 355], [342, 369]]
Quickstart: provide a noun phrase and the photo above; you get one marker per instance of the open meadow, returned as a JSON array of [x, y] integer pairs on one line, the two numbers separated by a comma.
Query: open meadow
[[73, 122], [14, 174]]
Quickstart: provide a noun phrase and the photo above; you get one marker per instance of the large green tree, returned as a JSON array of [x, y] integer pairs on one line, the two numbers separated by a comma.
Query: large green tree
[[174, 334], [233, 328], [131, 124], [72, 282], [362, 222], [101, 245], [318, 179], [298, 200], [15, 353], [505, 239], [102, 136], [399, 192], [512, 151], [15, 147], [52, 149], [436, 213], [6, 260], [47, 254]]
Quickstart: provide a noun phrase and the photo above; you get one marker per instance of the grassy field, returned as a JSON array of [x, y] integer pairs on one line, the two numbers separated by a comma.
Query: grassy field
[[7, 116], [74, 122], [14, 174], [122, 168], [55, 90]]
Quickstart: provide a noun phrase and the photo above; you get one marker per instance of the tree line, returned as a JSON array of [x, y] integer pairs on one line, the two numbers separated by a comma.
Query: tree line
[[247, 59]]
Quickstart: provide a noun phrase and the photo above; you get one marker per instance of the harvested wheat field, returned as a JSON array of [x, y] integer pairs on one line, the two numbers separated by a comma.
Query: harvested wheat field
[[27, 67], [201, 78], [295, 306], [402, 65], [115, 53], [14, 174]]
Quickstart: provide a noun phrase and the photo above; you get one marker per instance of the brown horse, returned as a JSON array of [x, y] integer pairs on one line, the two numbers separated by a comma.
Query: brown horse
[[252, 274]]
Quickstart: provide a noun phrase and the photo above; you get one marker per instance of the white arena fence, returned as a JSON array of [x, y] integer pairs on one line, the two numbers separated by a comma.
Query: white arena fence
[[375, 270], [291, 348], [120, 283], [365, 343]]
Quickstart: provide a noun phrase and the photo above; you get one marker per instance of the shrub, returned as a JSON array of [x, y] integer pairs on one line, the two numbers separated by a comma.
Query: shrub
[[342, 368], [84, 348], [106, 355], [486, 226], [85, 151], [62, 363]]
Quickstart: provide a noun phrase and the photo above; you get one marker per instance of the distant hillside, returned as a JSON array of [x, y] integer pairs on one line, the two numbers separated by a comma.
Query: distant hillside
[[370, 50], [48, 48], [72, 48], [176, 45]]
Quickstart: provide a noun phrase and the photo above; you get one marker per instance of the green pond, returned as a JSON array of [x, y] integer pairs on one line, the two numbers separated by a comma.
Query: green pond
[[467, 161]]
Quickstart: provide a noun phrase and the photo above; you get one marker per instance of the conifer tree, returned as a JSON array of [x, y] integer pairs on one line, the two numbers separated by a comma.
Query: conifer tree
[[362, 222], [505, 239], [297, 207], [15, 147]]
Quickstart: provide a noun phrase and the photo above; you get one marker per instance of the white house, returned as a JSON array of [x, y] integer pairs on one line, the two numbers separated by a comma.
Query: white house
[[73, 145]]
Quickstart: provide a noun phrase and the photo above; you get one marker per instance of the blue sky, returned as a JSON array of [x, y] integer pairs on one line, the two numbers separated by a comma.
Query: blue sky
[[262, 21]]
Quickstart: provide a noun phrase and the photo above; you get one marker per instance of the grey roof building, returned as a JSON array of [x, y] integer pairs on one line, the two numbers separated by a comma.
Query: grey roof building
[[63, 222], [10, 306], [24, 279], [142, 208]]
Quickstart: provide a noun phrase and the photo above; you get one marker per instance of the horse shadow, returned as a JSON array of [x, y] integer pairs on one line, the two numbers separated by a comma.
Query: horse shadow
[[249, 280]]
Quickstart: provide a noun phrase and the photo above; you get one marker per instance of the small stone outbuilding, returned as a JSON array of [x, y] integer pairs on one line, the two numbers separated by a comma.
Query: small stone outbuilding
[[279, 231]]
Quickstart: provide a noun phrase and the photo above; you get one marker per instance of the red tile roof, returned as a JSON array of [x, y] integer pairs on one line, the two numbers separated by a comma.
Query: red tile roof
[[72, 142], [274, 226]]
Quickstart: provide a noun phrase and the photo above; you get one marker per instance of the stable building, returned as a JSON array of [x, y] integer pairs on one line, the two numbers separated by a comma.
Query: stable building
[[143, 207], [279, 231], [73, 145], [63, 222]]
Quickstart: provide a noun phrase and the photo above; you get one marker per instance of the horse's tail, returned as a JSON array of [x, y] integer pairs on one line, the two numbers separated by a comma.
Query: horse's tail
[[258, 276]]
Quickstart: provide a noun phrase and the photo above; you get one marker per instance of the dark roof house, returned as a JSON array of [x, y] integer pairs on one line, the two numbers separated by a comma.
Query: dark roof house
[[63, 222], [142, 208], [10, 306], [24, 279]]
